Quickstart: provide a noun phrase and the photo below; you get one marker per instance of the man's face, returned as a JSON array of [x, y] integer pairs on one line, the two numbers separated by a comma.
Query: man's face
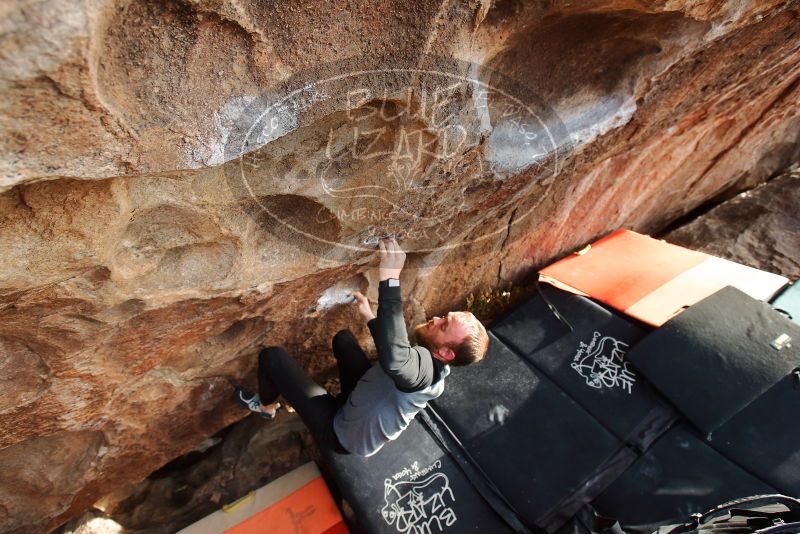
[[450, 329]]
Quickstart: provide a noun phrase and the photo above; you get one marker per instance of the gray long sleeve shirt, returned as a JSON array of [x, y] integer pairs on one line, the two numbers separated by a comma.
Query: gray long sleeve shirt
[[391, 393]]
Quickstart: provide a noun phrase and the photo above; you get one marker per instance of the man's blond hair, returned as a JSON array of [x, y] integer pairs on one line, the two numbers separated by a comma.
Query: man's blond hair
[[474, 346]]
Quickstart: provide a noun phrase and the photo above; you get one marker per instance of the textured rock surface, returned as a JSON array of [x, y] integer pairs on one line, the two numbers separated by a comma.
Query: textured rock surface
[[137, 282], [239, 459], [759, 228]]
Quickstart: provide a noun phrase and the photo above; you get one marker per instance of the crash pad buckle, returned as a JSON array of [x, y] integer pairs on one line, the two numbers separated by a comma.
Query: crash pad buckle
[[782, 341]]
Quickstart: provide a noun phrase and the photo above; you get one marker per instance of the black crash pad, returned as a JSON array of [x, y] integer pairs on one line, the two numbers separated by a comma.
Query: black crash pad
[[680, 475], [717, 357], [589, 363], [544, 452], [764, 438], [411, 485]]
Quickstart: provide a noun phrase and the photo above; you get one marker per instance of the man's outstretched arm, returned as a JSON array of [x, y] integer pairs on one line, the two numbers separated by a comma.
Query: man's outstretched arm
[[410, 367]]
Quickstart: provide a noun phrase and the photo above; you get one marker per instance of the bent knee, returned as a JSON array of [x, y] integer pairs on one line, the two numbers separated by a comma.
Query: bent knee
[[343, 336], [269, 354]]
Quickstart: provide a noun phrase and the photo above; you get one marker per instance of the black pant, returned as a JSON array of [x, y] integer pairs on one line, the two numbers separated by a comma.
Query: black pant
[[279, 374]]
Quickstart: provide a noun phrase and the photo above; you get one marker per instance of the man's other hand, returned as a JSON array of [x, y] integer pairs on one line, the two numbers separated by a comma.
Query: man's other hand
[[392, 259], [364, 309]]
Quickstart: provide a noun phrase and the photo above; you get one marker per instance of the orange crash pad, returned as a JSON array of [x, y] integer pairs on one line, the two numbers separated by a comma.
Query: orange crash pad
[[296, 502], [652, 280]]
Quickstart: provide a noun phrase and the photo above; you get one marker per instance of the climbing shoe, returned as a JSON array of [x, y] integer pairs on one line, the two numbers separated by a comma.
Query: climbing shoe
[[250, 401]]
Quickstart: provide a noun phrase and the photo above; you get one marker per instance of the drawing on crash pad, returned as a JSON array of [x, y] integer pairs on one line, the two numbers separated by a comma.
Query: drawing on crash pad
[[601, 364], [419, 506]]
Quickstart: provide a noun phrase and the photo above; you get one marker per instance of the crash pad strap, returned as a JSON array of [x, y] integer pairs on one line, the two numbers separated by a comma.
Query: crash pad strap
[[477, 477], [551, 306]]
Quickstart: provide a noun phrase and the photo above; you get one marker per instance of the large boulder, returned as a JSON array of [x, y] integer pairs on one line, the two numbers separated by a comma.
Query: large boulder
[[151, 241], [759, 228]]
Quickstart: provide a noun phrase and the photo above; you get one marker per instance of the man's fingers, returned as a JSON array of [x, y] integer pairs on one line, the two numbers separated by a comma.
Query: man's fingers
[[391, 245]]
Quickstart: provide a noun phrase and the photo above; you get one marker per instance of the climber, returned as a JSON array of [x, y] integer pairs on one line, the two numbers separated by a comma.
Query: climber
[[376, 402]]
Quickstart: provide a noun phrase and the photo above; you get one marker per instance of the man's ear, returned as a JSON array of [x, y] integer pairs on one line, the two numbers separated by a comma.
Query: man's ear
[[445, 354]]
